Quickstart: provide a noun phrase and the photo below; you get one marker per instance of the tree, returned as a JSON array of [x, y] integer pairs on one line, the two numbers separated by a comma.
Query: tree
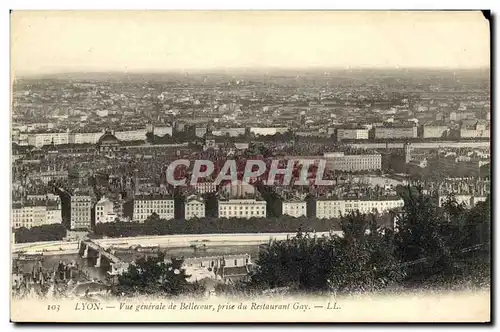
[[478, 223], [419, 229], [152, 275], [52, 232], [364, 258], [154, 217]]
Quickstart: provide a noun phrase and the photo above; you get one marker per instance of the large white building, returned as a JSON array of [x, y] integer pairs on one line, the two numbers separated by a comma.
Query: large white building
[[194, 208], [104, 211], [85, 137], [231, 132], [334, 208], [163, 130], [43, 197], [49, 175], [39, 139], [242, 208], [338, 161], [294, 208], [477, 131], [47, 138], [434, 131], [144, 206], [36, 214], [268, 131], [352, 133], [239, 190], [81, 207], [395, 132], [131, 135]]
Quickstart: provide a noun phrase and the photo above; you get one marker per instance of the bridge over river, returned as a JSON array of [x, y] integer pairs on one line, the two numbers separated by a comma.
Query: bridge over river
[[91, 250]]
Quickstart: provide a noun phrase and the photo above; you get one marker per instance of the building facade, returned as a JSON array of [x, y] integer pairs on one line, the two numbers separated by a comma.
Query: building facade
[[337, 161], [163, 130], [81, 212], [474, 133], [47, 176], [231, 132], [355, 133], [242, 208], [395, 132], [104, 211], [48, 138], [36, 214], [335, 208], [268, 131], [145, 206], [131, 135], [434, 131], [294, 208], [85, 137], [194, 208]]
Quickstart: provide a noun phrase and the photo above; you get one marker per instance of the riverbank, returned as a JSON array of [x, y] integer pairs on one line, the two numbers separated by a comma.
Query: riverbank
[[163, 241]]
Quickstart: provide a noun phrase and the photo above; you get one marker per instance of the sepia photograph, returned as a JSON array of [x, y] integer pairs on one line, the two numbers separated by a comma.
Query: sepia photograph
[[250, 166]]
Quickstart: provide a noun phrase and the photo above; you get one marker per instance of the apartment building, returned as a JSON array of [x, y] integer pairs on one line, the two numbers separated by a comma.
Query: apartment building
[[334, 208], [32, 214], [81, 215], [475, 131], [395, 132], [294, 208], [131, 135], [242, 208], [85, 137], [194, 208], [146, 205], [231, 132], [338, 161], [268, 131], [48, 138], [104, 211], [352, 133], [434, 131], [162, 130], [47, 176]]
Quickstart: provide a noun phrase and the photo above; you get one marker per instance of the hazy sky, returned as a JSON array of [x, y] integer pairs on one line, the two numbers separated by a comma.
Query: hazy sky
[[48, 41]]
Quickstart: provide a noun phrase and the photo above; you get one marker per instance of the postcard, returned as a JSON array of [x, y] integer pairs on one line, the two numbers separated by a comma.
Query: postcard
[[250, 166]]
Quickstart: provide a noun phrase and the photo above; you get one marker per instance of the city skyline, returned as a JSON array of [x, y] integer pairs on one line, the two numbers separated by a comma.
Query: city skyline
[[131, 41]]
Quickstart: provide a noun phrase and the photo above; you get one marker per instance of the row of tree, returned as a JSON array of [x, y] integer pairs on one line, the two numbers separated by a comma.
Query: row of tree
[[211, 225], [54, 232]]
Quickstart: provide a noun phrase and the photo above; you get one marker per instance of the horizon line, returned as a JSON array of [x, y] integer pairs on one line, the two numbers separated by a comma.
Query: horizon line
[[229, 69]]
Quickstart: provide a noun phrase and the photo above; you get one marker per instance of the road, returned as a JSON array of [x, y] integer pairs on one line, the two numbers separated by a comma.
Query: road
[[166, 241]]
